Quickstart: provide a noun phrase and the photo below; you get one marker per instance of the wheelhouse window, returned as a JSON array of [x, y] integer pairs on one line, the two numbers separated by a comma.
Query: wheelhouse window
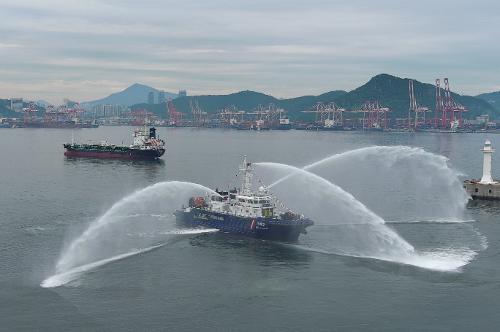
[[267, 212]]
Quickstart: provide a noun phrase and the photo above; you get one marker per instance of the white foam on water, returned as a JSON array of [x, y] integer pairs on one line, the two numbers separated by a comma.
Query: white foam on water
[[441, 260], [191, 231], [444, 260], [63, 278], [433, 221]]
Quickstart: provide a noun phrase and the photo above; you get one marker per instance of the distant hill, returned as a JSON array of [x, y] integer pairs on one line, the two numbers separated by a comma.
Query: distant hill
[[42, 103], [493, 98], [134, 94], [390, 91], [243, 100], [295, 105]]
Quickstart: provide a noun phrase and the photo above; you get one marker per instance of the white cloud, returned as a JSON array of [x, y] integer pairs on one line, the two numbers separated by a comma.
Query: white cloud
[[283, 48]]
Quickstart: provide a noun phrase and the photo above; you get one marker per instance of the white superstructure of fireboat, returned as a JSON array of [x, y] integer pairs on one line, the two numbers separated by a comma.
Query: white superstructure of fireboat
[[244, 202]]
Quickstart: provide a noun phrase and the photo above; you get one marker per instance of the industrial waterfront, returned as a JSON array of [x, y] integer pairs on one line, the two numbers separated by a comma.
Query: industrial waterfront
[[319, 113], [194, 281]]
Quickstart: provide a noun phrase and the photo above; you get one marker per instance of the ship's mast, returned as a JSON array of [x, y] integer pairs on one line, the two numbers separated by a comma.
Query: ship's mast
[[146, 122], [246, 169]]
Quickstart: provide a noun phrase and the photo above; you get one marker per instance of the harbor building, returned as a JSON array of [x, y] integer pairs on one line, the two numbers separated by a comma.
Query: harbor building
[[16, 104], [151, 98], [161, 97]]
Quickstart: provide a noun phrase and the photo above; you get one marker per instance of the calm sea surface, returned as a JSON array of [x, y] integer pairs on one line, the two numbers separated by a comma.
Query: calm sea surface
[[217, 282]]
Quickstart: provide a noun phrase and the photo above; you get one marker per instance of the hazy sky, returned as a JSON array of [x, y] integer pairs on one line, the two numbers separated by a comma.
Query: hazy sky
[[88, 49]]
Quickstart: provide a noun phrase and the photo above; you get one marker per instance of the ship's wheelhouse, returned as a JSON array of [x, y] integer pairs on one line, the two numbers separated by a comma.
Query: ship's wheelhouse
[[254, 206], [243, 202], [233, 202]]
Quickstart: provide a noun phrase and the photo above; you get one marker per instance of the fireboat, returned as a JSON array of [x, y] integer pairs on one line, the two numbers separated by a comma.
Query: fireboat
[[244, 212]]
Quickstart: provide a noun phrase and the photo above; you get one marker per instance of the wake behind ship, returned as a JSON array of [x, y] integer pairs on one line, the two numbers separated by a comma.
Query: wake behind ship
[[146, 146], [244, 212]]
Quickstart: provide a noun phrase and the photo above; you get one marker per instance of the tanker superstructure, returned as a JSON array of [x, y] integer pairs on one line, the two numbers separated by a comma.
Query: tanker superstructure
[[146, 146], [244, 212]]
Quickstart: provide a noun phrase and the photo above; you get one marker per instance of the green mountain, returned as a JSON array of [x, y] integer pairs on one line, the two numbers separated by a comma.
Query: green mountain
[[390, 91], [493, 98], [243, 100], [296, 105]]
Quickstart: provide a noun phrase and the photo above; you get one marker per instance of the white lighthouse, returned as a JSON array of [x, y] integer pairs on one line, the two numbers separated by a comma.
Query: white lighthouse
[[487, 152], [486, 188]]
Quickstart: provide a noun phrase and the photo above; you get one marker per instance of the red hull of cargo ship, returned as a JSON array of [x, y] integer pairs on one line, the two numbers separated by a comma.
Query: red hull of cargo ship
[[131, 155]]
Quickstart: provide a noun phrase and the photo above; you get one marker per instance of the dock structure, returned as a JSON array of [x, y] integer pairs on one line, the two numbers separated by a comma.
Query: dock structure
[[486, 187]]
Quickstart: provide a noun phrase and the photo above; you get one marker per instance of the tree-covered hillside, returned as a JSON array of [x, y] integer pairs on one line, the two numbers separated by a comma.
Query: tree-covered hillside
[[390, 91], [493, 98]]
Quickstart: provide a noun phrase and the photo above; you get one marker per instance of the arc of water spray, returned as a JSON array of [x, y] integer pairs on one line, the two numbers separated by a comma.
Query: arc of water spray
[[372, 150], [93, 229], [347, 198], [398, 249]]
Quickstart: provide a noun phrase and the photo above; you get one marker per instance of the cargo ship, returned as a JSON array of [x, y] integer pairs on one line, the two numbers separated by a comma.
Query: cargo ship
[[146, 146], [244, 212]]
